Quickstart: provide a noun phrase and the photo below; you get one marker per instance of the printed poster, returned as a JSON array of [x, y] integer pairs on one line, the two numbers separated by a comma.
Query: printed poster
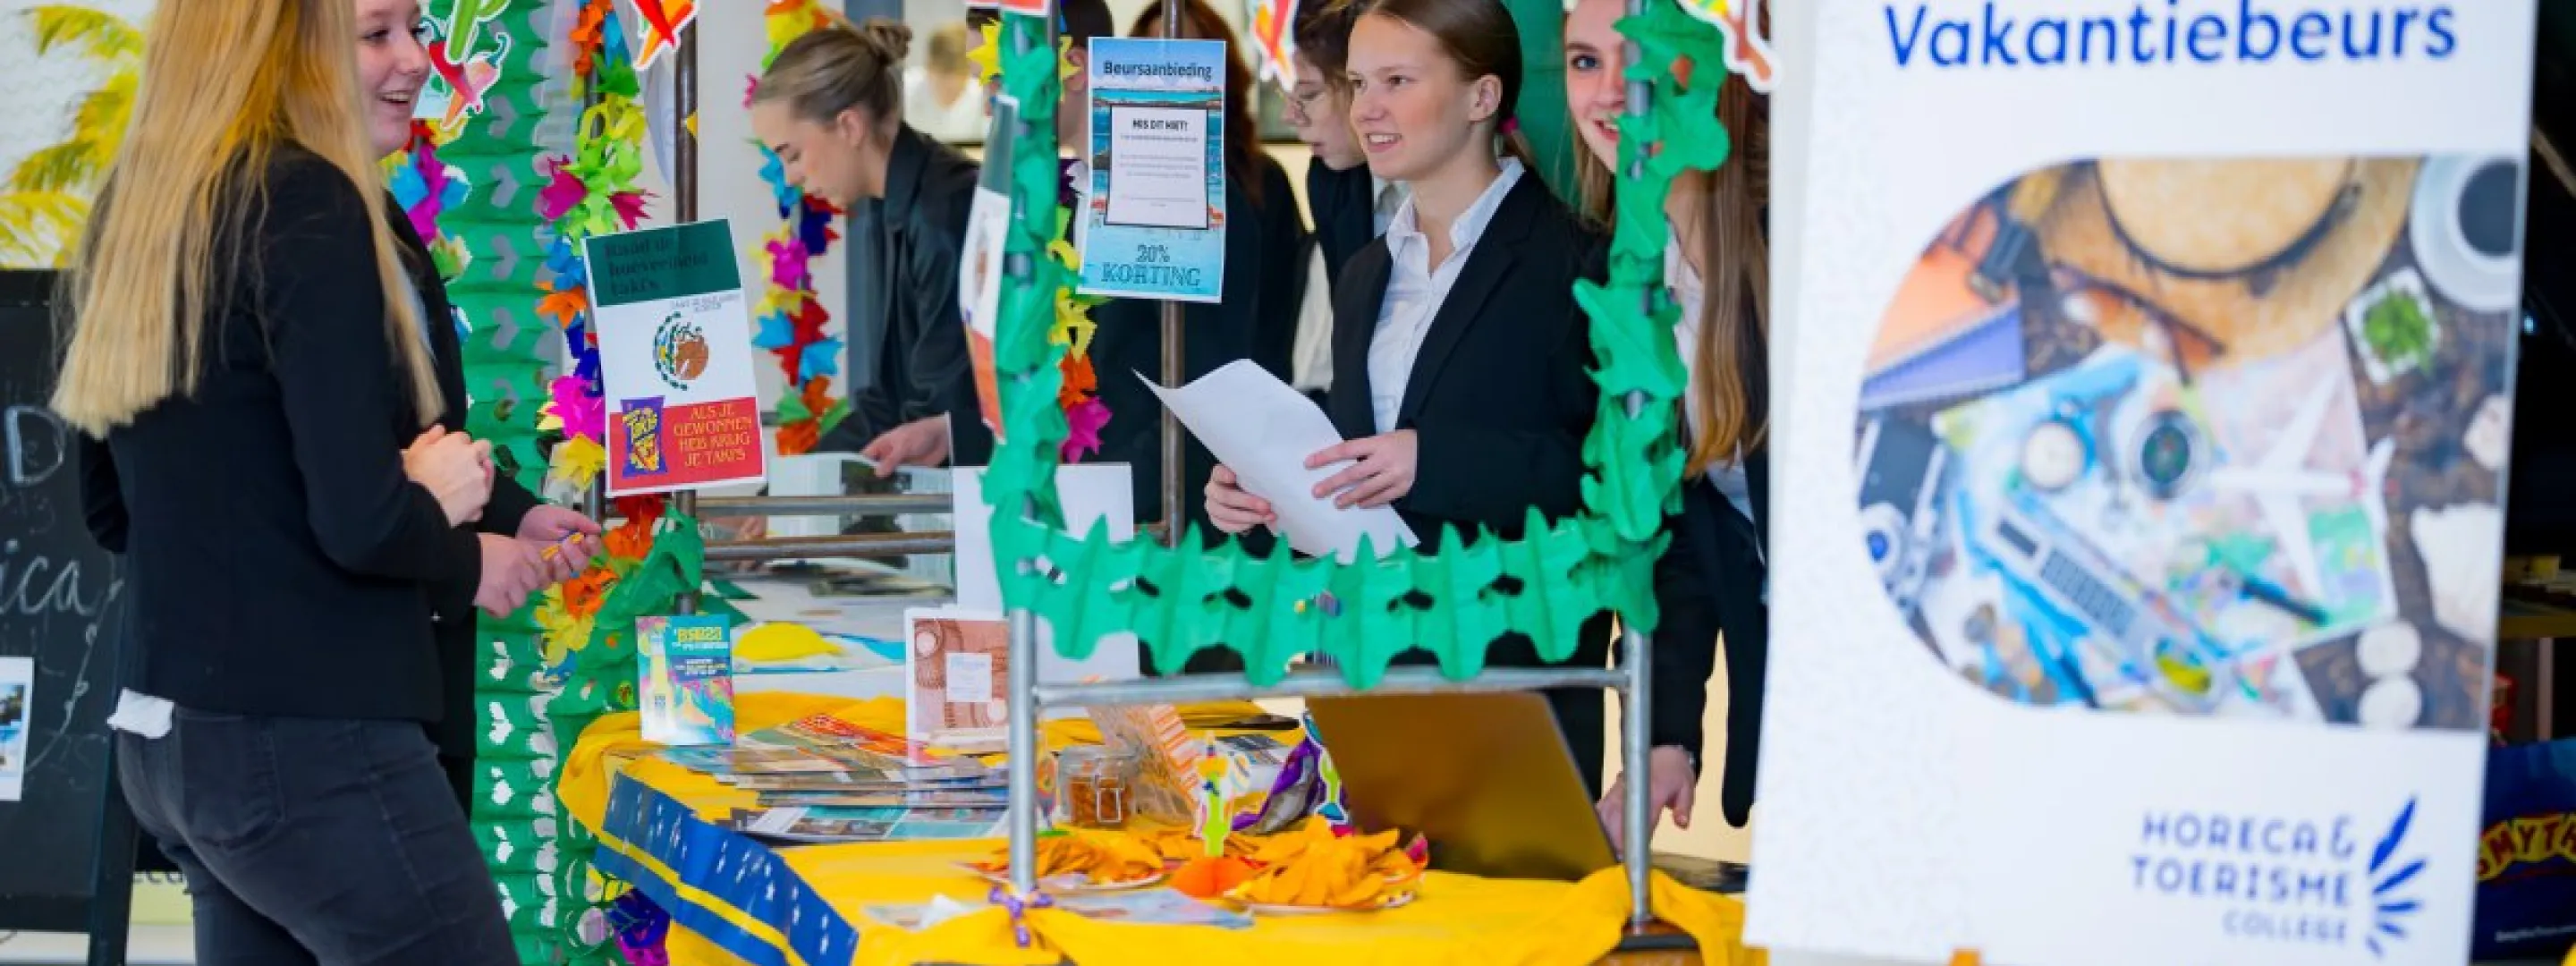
[[979, 279], [955, 673], [684, 679], [675, 350], [2153, 501], [17, 718], [1153, 224]]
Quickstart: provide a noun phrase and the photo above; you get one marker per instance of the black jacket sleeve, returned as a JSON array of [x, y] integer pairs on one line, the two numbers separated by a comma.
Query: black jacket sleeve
[[102, 493], [1685, 648], [509, 506], [323, 304]]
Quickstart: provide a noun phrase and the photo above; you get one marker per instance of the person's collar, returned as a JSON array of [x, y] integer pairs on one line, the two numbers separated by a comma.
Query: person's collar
[[1470, 225]]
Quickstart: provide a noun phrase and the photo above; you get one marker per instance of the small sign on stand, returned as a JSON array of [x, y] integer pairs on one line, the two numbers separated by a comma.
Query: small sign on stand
[[1153, 223], [675, 349]]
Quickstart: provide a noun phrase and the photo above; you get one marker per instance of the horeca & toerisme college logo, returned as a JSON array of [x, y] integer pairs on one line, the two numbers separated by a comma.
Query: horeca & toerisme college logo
[[2286, 879]]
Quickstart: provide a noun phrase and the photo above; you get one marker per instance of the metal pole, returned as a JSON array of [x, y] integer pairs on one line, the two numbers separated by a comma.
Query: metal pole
[[1636, 735], [684, 191], [1636, 746], [1023, 748], [854, 504], [1229, 685], [1174, 371], [862, 545]]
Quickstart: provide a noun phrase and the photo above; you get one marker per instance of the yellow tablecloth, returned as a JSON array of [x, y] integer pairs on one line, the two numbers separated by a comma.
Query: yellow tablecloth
[[736, 901]]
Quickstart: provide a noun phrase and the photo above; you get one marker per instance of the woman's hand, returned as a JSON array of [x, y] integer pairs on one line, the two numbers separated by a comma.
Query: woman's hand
[[569, 538], [1382, 470], [455, 469], [1232, 508], [921, 442], [513, 570], [1670, 783]]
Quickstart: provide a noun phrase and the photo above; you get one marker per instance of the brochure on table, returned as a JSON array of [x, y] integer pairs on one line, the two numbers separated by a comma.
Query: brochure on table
[[675, 352], [2152, 366], [1153, 223]]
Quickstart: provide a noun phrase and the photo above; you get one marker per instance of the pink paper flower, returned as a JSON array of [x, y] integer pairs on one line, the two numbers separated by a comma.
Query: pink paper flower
[[562, 193], [583, 414], [787, 267], [1083, 423], [630, 206]]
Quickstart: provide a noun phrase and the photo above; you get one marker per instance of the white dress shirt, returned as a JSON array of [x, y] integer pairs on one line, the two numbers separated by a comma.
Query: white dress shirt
[[1415, 290]]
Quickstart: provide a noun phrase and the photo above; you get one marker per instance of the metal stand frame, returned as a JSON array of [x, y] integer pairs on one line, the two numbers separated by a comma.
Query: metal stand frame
[[1633, 680]]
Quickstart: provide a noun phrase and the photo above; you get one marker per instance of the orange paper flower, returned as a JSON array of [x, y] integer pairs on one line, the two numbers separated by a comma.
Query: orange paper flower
[[582, 595], [799, 438], [630, 540]]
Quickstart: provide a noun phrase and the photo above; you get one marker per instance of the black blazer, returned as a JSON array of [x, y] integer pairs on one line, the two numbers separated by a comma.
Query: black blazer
[[1708, 582], [1129, 343], [1501, 393], [1345, 206], [452, 614], [278, 560], [1282, 261], [921, 365]]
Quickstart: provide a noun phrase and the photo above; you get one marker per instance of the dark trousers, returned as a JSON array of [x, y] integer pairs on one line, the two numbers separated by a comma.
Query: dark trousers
[[315, 841]]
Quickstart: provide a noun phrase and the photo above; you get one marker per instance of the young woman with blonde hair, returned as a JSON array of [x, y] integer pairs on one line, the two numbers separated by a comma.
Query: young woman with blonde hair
[[1711, 580], [245, 339]]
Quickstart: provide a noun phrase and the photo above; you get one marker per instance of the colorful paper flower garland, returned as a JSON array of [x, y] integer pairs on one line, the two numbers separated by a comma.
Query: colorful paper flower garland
[[1085, 415], [790, 318], [425, 188]]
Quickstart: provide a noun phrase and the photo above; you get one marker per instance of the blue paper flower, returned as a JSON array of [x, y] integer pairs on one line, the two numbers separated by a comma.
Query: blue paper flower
[[777, 331], [407, 187], [822, 358], [773, 173], [814, 227]]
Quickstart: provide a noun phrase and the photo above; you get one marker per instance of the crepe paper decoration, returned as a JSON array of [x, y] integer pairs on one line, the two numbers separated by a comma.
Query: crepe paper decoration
[[576, 408], [787, 265], [493, 74], [987, 56], [578, 462], [563, 192], [1546, 585], [814, 227], [1276, 40], [822, 357], [642, 928], [1083, 423], [663, 21], [585, 37]]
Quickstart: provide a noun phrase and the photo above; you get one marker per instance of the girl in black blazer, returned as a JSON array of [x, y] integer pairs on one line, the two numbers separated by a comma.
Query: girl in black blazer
[[246, 345], [1461, 363], [1712, 578]]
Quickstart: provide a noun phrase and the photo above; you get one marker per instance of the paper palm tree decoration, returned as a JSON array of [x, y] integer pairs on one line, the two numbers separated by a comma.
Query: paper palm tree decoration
[[48, 194]]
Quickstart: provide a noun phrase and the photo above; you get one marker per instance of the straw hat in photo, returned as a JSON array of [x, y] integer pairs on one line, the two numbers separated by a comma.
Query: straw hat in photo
[[2257, 255]]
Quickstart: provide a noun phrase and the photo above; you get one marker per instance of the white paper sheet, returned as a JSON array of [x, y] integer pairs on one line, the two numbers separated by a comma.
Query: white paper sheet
[[1264, 431]]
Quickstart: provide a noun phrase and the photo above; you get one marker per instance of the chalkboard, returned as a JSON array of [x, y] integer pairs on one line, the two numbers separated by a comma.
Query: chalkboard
[[60, 599]]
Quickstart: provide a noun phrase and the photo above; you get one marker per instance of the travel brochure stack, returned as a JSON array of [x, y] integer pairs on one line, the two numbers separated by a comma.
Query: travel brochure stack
[[824, 778]]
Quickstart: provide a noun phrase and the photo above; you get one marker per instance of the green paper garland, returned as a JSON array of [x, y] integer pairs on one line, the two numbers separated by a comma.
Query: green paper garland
[[1179, 602]]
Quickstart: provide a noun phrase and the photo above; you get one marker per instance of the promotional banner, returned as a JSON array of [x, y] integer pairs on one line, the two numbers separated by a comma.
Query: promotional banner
[[979, 276], [1153, 224], [675, 350], [2151, 367]]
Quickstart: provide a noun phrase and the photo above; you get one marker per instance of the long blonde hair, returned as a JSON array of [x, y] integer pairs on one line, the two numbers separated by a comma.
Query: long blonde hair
[[1729, 401], [225, 86]]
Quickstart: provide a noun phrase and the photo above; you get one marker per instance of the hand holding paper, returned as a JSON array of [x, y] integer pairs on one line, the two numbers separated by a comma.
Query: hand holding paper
[[1264, 432]]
